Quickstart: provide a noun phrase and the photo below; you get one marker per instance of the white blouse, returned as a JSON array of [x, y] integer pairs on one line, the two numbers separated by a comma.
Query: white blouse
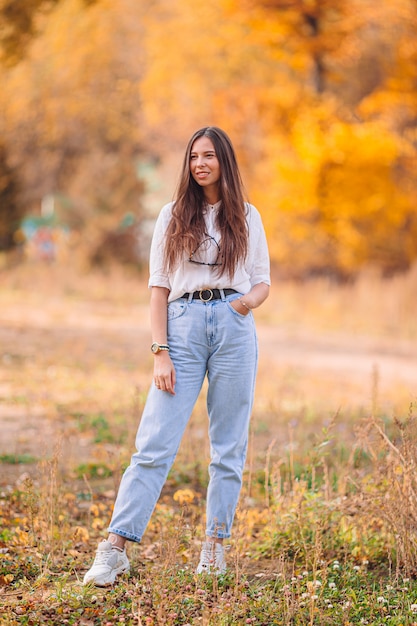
[[189, 277]]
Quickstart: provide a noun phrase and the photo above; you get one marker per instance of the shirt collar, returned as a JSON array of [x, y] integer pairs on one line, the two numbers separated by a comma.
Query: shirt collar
[[212, 207]]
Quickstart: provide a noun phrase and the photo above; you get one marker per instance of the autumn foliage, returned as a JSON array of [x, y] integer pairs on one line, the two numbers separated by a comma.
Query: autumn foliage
[[318, 96]]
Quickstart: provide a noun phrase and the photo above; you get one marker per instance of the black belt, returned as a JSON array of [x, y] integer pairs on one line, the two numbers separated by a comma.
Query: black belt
[[205, 295]]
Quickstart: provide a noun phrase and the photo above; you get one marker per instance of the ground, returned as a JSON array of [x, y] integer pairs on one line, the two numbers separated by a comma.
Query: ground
[[75, 367]]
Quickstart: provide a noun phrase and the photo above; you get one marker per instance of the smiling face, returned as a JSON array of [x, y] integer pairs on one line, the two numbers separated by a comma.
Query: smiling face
[[205, 167]]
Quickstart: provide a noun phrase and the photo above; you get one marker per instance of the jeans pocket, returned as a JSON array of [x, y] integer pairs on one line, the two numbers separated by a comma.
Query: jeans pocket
[[176, 309], [236, 313]]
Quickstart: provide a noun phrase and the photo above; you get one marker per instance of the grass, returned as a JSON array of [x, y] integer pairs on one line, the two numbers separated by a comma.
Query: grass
[[17, 458], [326, 530]]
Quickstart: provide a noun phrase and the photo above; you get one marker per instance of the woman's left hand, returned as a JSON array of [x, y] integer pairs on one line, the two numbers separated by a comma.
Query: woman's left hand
[[251, 300], [239, 307]]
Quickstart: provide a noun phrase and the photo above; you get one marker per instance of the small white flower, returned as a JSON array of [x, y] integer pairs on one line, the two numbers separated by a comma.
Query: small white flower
[[336, 565], [413, 608], [332, 585], [317, 583], [356, 568], [314, 597], [389, 587], [304, 595], [305, 573], [380, 599], [330, 606]]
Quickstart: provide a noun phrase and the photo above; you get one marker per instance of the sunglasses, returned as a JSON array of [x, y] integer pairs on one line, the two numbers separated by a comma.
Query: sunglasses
[[202, 249]]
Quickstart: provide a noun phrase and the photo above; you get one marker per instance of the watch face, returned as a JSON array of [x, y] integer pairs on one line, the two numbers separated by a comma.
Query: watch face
[[155, 348]]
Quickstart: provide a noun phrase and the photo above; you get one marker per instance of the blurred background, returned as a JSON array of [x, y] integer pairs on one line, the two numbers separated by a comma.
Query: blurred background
[[99, 97]]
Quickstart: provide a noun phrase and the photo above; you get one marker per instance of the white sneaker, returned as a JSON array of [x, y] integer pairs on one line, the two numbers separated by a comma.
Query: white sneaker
[[108, 563], [211, 559]]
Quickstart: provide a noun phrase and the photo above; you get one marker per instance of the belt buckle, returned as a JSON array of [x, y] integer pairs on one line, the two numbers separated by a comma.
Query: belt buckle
[[211, 294]]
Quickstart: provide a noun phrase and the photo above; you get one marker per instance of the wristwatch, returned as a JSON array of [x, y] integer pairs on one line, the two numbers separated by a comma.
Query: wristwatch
[[158, 347]]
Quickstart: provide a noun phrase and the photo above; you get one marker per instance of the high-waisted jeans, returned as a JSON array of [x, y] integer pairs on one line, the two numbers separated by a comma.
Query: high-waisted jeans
[[204, 338]]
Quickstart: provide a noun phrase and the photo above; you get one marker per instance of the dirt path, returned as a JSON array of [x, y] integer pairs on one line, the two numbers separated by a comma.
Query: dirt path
[[352, 358]]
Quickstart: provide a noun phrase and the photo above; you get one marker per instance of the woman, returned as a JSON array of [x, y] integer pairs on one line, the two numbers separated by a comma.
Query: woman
[[209, 267]]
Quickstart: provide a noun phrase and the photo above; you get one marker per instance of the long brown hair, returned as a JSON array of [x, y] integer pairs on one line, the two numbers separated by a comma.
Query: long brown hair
[[187, 226]]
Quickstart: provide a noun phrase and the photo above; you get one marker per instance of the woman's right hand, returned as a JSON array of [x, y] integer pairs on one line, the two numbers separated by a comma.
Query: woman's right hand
[[164, 375]]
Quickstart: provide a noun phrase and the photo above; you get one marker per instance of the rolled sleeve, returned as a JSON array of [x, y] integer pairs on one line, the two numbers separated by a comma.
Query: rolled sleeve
[[158, 276], [258, 254]]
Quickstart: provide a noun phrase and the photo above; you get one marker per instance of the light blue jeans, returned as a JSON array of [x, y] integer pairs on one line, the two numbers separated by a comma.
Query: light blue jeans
[[204, 338]]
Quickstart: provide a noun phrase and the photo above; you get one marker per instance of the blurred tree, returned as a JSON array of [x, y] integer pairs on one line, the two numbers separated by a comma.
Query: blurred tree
[[76, 111], [18, 26], [338, 186], [16, 31], [339, 205], [10, 209]]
